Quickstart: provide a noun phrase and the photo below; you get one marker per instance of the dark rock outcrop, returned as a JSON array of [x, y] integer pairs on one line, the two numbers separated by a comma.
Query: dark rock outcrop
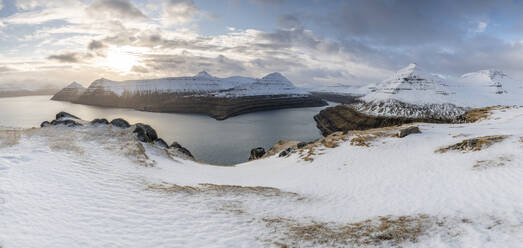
[[345, 118], [286, 152], [67, 122], [145, 133], [301, 145], [63, 115], [161, 143], [121, 123], [45, 124], [257, 153], [176, 146], [100, 122], [407, 131], [337, 97]]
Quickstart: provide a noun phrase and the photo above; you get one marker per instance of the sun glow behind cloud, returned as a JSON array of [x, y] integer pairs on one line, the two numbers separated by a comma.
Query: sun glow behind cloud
[[120, 59]]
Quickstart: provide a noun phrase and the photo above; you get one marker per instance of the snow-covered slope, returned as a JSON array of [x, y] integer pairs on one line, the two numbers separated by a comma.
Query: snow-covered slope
[[70, 93], [202, 83], [413, 92], [488, 87], [412, 84], [88, 187]]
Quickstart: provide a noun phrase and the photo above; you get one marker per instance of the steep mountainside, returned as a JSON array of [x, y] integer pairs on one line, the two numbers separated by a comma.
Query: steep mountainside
[[70, 93], [219, 98]]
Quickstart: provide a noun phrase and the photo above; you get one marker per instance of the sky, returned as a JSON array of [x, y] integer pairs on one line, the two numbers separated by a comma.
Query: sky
[[311, 42]]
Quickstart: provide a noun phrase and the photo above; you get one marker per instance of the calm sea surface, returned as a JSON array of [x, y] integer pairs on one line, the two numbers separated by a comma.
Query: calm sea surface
[[217, 142]]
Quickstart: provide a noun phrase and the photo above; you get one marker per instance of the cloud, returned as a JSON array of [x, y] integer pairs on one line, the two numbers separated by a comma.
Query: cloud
[[481, 27], [95, 45], [178, 12], [27, 4], [5, 69], [66, 57], [120, 9], [289, 21], [1, 5]]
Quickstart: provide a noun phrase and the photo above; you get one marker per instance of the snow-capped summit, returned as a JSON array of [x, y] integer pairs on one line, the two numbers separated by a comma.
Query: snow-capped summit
[[203, 74], [276, 76], [412, 84], [75, 85]]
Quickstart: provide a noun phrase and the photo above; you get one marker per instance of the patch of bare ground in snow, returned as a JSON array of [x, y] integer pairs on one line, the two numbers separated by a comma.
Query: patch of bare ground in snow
[[381, 231], [387, 230], [9, 138], [479, 114], [221, 190], [486, 164], [474, 144]]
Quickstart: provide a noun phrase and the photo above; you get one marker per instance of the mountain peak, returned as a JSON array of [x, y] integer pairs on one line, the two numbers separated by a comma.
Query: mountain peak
[[275, 76], [203, 74], [75, 85]]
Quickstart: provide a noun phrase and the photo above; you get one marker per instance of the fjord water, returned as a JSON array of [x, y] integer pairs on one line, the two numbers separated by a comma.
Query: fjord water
[[217, 142]]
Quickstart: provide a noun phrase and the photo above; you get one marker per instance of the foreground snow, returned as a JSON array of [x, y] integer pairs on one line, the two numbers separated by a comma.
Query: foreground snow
[[94, 187]]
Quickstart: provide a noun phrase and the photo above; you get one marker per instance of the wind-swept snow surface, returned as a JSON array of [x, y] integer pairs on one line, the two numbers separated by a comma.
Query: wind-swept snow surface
[[99, 187]]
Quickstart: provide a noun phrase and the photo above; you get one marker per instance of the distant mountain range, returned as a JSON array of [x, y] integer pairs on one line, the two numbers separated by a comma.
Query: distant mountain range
[[414, 92], [202, 93]]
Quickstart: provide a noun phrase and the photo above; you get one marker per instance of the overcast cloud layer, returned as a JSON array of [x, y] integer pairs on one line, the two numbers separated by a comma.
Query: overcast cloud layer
[[311, 42]]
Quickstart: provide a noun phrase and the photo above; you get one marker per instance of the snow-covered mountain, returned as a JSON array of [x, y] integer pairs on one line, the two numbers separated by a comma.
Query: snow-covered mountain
[[70, 93], [202, 83], [414, 92], [412, 84]]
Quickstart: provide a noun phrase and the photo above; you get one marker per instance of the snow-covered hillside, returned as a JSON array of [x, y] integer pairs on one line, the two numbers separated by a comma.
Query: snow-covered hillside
[[425, 93], [90, 187], [202, 83], [412, 84]]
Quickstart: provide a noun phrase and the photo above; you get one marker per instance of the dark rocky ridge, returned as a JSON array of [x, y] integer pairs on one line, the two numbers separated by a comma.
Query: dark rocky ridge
[[337, 97], [219, 108], [345, 118]]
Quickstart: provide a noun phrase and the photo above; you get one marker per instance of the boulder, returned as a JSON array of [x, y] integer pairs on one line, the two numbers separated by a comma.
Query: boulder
[[161, 143], [45, 124], [175, 145], [286, 152], [257, 153], [121, 123], [100, 122], [67, 122], [301, 145], [145, 133], [407, 131], [64, 115], [186, 152]]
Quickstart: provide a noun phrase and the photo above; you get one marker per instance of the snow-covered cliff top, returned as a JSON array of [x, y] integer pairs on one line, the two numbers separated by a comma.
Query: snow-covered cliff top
[[203, 83]]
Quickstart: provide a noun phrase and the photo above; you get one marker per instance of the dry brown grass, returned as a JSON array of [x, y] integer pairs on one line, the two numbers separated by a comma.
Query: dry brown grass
[[9, 138], [220, 190], [387, 230], [474, 144], [486, 164], [479, 114]]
